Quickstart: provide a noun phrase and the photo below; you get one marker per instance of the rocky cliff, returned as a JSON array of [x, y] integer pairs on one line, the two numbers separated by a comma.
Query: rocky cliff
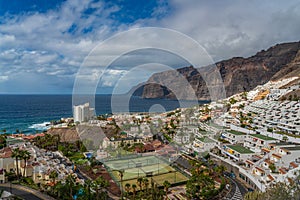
[[238, 74]]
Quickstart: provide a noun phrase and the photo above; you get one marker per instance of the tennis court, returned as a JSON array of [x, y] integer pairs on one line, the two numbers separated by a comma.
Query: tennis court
[[151, 167]]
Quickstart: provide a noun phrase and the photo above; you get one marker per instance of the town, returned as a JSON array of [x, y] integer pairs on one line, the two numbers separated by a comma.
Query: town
[[251, 139]]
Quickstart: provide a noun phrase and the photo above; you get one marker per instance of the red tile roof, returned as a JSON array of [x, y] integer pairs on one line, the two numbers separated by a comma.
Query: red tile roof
[[6, 152], [293, 164], [276, 155], [270, 177], [282, 171], [259, 169], [265, 150]]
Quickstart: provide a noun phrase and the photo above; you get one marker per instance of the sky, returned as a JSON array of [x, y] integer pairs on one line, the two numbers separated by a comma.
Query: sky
[[43, 43]]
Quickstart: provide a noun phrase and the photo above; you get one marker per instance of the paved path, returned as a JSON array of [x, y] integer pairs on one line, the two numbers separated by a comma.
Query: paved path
[[237, 194], [237, 191], [25, 192]]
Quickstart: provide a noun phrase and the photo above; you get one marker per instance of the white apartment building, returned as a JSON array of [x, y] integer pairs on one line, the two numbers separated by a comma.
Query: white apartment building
[[83, 113], [255, 142], [233, 137]]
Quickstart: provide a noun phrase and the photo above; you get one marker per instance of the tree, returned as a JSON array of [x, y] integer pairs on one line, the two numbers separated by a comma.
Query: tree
[[70, 186], [16, 154], [139, 182], [272, 167], [201, 185], [127, 189], [53, 175], [280, 191], [146, 184], [87, 185], [100, 184], [255, 195], [25, 155], [121, 174], [2, 141], [133, 190], [166, 185], [285, 138]]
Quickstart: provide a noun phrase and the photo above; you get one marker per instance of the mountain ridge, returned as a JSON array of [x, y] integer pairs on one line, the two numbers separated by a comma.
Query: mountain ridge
[[238, 74]]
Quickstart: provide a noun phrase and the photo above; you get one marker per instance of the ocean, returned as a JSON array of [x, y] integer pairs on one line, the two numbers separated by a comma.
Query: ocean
[[31, 113]]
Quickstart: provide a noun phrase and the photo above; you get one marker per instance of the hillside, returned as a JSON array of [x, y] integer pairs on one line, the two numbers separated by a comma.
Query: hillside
[[238, 74]]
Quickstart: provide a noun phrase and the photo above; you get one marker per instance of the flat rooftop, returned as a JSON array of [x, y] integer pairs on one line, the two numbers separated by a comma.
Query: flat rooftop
[[206, 140], [296, 148], [236, 132], [263, 137], [240, 149], [282, 143]]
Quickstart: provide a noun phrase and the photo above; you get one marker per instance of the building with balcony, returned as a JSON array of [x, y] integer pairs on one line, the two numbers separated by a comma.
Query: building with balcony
[[256, 142], [234, 137], [237, 152]]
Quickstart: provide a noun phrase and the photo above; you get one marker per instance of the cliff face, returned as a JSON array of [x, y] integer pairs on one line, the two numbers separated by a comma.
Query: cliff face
[[238, 74]]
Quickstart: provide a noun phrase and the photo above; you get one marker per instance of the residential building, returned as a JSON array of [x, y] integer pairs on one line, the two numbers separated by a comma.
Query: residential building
[[255, 142], [83, 113], [237, 152], [233, 137]]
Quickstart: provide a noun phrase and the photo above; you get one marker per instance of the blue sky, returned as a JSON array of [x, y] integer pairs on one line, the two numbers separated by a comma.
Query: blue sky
[[43, 43]]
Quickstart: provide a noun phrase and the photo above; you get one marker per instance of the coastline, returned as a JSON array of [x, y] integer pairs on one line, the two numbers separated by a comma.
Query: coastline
[[30, 113]]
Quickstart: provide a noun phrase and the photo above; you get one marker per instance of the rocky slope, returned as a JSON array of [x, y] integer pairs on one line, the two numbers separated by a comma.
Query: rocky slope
[[65, 134], [238, 74]]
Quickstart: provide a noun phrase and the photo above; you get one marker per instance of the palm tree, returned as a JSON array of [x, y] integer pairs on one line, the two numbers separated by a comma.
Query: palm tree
[[70, 184], [121, 174], [166, 185], [26, 156], [88, 184], [127, 189], [53, 175], [101, 183], [145, 184], [139, 182], [133, 190], [16, 154]]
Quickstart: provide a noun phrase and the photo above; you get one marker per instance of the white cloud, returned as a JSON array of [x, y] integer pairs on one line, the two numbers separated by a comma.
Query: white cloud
[[3, 78], [53, 44]]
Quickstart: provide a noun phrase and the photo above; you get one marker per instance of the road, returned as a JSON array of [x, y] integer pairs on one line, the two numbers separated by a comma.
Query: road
[[237, 191], [21, 193]]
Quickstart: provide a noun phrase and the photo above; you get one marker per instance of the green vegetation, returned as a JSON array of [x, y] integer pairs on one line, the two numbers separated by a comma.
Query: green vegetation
[[263, 137], [232, 101], [74, 151], [19, 155], [236, 132], [2, 141], [27, 181], [202, 183], [240, 149], [272, 167], [49, 142], [270, 129], [288, 134], [143, 188], [280, 191], [70, 190]]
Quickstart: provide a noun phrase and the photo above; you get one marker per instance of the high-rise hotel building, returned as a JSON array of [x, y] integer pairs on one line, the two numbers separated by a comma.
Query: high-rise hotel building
[[83, 113]]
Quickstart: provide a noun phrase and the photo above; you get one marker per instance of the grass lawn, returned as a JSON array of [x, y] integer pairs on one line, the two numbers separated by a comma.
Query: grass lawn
[[160, 179], [236, 132], [263, 137], [240, 149]]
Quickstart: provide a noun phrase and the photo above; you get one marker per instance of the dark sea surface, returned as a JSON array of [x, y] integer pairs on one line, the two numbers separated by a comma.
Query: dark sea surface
[[29, 113]]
